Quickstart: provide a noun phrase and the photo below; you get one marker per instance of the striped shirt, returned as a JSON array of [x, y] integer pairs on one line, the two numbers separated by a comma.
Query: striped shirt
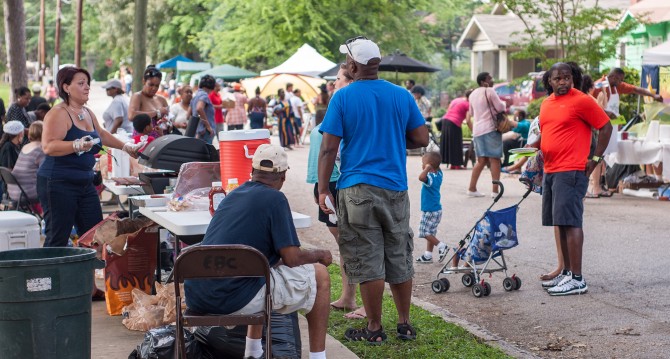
[[25, 172]]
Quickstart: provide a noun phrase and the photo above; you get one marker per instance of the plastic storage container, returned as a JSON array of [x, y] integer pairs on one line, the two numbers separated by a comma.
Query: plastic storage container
[[45, 302], [236, 149], [18, 230]]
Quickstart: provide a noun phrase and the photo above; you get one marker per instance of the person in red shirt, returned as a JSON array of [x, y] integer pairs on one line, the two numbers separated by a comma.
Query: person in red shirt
[[217, 102], [566, 119], [451, 143]]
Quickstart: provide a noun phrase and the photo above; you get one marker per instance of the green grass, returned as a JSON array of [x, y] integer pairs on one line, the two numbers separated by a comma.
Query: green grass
[[4, 93], [435, 337]]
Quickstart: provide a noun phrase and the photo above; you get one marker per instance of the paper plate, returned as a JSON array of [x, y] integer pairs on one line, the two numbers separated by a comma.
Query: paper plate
[[523, 150]]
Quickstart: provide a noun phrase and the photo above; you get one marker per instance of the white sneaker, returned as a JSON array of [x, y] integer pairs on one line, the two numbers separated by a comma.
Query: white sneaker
[[571, 286], [442, 252], [494, 194], [556, 281], [475, 194]]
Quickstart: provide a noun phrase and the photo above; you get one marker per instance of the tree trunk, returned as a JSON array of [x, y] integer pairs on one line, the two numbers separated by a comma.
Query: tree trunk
[[139, 43], [15, 37]]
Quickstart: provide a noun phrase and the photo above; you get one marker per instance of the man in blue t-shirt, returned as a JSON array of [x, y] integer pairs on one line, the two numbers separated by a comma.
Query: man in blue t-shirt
[[375, 121], [257, 214]]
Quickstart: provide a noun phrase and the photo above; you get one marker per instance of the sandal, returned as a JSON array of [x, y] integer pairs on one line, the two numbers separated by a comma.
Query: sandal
[[364, 335], [406, 332], [592, 195], [605, 194]]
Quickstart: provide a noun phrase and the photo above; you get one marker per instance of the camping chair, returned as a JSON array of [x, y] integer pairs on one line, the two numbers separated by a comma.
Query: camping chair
[[23, 202], [198, 262]]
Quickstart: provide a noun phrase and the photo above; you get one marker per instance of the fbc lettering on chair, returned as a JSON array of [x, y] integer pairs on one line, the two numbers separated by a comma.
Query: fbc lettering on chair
[[219, 262]]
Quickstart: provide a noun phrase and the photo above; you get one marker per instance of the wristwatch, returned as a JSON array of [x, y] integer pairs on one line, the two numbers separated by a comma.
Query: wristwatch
[[596, 159]]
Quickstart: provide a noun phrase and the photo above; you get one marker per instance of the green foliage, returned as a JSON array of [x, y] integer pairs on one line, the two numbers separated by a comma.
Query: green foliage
[[569, 26], [436, 338], [258, 34], [533, 109]]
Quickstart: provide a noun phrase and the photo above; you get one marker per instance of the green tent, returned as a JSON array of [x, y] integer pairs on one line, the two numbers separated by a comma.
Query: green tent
[[225, 72]]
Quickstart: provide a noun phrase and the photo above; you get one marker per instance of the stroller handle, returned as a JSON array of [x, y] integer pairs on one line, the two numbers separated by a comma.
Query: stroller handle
[[500, 192]]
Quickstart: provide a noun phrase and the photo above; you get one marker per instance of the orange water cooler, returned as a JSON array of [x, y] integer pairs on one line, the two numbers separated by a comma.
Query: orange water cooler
[[236, 149]]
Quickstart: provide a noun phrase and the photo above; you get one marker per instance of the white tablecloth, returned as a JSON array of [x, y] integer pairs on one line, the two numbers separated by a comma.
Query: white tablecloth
[[640, 152], [189, 223]]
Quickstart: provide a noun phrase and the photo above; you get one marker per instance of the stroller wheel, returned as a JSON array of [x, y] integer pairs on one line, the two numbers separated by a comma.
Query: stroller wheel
[[478, 290], [509, 284], [518, 283], [468, 279], [487, 289], [445, 284], [437, 286]]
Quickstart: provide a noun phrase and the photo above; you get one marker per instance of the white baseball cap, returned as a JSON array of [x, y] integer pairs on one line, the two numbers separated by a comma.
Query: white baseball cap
[[273, 153], [361, 50], [13, 128], [37, 88]]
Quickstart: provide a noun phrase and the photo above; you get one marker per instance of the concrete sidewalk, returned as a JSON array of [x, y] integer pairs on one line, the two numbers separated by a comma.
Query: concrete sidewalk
[[111, 340]]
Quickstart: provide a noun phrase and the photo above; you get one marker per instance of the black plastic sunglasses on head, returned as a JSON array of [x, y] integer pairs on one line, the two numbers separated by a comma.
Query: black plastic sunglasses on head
[[346, 43]]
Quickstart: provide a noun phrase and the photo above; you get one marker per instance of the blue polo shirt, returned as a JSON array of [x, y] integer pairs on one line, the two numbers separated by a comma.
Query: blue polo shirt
[[372, 117], [430, 192]]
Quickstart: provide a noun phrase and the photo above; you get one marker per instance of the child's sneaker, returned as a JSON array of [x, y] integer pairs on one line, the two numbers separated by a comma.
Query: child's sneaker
[[571, 286], [442, 252], [424, 259], [556, 281]]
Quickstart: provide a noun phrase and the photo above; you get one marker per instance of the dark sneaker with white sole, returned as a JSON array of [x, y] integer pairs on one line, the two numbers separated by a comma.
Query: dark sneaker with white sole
[[424, 259], [569, 287]]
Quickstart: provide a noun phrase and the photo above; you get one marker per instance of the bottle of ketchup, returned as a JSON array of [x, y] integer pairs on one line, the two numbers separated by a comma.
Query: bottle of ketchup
[[216, 195]]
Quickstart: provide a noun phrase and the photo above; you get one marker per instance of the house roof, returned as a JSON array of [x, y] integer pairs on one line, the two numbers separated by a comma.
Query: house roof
[[653, 11], [500, 30], [505, 29]]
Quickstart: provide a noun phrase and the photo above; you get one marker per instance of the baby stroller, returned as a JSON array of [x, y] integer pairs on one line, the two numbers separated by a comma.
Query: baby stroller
[[482, 249]]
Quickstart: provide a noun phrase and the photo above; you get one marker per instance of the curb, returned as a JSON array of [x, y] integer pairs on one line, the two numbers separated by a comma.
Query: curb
[[484, 335]]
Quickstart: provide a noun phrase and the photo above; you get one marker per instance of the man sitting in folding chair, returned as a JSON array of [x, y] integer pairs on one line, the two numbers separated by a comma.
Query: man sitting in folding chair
[[257, 214]]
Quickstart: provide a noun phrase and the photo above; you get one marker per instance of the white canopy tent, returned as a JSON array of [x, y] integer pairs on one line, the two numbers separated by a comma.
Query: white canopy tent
[[305, 61], [657, 55]]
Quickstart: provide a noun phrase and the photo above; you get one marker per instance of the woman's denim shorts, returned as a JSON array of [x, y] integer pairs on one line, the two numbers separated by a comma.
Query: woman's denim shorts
[[489, 145]]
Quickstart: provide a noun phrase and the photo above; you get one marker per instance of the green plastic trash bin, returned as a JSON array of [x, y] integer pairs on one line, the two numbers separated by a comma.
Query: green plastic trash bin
[[45, 302]]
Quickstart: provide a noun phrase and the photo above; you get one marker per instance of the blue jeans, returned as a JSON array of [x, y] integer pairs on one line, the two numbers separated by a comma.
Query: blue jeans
[[206, 136], [67, 202]]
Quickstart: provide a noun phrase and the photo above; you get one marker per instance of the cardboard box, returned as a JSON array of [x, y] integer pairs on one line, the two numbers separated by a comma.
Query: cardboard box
[[636, 186]]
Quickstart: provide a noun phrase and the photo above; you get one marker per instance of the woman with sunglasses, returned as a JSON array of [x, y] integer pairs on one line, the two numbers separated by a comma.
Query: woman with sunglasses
[[147, 102]]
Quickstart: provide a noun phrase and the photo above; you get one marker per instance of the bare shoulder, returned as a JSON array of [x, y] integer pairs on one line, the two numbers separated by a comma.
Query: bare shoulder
[[57, 113]]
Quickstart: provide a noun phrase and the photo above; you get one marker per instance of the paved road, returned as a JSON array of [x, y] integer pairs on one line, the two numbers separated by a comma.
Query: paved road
[[624, 315]]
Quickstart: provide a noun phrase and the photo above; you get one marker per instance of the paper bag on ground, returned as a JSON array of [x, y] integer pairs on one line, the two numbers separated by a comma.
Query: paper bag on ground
[[134, 269]]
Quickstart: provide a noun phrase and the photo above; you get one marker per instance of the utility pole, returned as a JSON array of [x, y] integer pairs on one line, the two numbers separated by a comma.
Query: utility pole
[[41, 47], [77, 34], [58, 16], [139, 43]]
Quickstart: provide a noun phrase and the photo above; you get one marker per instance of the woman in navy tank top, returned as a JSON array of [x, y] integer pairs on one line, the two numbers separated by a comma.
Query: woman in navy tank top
[[71, 137]]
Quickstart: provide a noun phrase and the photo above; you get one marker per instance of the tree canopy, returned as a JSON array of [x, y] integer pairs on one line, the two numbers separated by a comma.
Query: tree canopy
[[255, 34], [573, 27]]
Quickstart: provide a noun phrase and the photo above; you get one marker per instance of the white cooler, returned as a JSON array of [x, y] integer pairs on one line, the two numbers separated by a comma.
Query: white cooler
[[18, 230]]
